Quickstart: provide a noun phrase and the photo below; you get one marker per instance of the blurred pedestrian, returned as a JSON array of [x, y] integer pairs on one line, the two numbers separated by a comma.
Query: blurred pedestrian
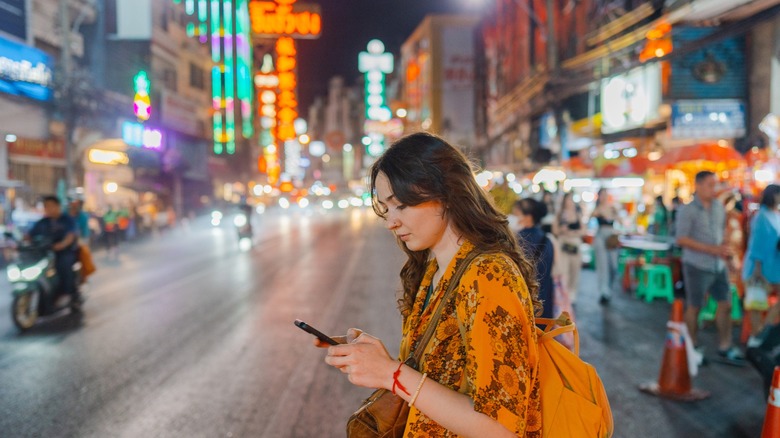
[[550, 208], [170, 217], [569, 230], [538, 248], [111, 231], [81, 218], [605, 245], [700, 228], [481, 367], [83, 232], [762, 261], [661, 217], [735, 237], [676, 204]]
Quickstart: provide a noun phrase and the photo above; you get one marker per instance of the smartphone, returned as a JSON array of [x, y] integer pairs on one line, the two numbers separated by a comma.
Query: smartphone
[[321, 336]]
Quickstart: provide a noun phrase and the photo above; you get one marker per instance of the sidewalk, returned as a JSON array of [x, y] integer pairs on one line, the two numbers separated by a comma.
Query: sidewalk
[[625, 342]]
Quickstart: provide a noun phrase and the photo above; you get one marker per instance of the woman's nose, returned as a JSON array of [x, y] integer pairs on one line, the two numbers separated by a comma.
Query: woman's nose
[[391, 223]]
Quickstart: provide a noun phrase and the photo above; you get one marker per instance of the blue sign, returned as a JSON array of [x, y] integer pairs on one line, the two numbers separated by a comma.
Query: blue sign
[[13, 18], [708, 119], [24, 71], [715, 71]]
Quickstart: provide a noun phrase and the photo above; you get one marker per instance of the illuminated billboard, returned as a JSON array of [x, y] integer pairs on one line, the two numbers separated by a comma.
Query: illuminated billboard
[[24, 71], [285, 18]]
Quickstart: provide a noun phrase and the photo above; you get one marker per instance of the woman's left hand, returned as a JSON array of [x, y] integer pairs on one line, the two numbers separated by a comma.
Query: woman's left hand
[[365, 361]]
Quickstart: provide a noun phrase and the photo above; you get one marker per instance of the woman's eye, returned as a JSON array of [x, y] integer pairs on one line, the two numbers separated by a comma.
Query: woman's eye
[[400, 207]]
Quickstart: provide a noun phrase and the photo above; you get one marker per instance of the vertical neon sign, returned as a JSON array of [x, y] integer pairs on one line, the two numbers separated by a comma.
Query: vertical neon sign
[[243, 67], [375, 63]]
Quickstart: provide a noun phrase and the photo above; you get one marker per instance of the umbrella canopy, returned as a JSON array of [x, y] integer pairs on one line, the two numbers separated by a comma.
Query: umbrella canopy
[[635, 166], [701, 152]]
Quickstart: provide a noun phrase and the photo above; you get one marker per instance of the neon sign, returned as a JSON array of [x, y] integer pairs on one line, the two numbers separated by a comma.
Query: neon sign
[[142, 104], [281, 18], [375, 63], [287, 102], [135, 134]]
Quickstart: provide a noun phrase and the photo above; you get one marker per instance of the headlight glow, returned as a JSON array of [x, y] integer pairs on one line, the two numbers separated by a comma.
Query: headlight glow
[[31, 273], [239, 220], [13, 272]]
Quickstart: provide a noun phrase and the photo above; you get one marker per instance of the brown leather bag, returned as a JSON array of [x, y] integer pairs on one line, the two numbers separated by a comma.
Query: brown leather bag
[[384, 414]]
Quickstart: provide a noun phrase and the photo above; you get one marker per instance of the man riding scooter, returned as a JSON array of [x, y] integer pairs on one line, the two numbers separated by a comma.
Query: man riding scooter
[[60, 230]]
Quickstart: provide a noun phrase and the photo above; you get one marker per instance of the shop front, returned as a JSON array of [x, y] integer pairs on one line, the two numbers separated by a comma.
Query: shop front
[[108, 176]]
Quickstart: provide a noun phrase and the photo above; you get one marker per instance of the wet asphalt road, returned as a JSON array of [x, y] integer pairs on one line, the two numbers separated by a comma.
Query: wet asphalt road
[[187, 336]]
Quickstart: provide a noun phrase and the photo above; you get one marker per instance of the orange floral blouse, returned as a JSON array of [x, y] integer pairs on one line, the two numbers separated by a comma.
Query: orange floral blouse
[[484, 345]]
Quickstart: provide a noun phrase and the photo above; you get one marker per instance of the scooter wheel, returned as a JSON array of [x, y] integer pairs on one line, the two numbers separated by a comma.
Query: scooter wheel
[[75, 307], [23, 316]]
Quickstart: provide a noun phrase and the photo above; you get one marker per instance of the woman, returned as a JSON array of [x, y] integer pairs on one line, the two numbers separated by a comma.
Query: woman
[[568, 228], [533, 240], [482, 364], [762, 260], [604, 245], [660, 217]]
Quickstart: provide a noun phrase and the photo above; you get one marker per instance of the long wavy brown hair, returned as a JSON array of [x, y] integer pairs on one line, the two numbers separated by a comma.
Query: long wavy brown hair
[[422, 167]]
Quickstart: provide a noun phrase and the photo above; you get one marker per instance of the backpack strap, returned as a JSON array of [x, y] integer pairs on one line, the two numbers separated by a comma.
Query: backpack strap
[[565, 325], [414, 358]]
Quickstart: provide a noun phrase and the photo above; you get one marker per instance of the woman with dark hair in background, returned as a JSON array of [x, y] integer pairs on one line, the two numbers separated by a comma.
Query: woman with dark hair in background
[[569, 230], [537, 247], [661, 217], [479, 374]]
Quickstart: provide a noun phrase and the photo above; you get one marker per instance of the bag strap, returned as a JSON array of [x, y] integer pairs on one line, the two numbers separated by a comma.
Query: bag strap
[[565, 325], [414, 358]]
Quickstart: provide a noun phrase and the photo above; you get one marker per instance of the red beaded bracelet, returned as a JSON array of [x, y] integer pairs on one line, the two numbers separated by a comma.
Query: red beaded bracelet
[[396, 382]]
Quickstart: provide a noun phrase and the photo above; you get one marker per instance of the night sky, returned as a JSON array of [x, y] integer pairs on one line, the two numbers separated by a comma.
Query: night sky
[[347, 26]]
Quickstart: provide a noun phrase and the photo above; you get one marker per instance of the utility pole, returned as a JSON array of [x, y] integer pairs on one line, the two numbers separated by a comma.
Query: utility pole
[[552, 44], [552, 68], [66, 94]]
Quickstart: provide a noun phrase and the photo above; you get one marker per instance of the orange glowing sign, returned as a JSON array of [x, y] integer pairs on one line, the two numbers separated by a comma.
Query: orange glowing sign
[[287, 103], [285, 18]]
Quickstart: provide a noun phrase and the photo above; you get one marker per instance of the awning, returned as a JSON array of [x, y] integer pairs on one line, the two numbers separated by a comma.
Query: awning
[[701, 152]]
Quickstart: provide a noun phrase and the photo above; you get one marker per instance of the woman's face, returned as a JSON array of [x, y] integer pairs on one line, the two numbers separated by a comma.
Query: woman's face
[[421, 226]]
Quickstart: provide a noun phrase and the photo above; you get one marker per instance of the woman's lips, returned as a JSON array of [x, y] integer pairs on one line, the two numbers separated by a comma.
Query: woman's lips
[[403, 237]]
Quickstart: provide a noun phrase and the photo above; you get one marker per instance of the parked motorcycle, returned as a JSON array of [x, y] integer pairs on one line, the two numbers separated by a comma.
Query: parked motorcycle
[[36, 286]]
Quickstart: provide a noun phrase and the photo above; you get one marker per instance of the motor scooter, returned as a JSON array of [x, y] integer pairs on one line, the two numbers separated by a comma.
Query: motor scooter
[[243, 223], [36, 287]]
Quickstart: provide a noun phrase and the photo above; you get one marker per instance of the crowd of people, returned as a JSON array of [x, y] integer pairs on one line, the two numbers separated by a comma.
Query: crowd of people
[[722, 245], [104, 228]]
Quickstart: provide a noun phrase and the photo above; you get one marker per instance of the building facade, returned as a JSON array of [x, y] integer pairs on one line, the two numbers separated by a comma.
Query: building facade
[[437, 70], [597, 77]]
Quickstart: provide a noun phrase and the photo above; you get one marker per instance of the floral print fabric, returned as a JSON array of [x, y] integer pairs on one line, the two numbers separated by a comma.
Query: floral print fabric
[[484, 345]]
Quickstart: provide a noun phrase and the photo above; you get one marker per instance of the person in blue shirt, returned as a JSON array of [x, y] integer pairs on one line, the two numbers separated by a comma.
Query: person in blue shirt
[[762, 259], [60, 231], [81, 219], [538, 247]]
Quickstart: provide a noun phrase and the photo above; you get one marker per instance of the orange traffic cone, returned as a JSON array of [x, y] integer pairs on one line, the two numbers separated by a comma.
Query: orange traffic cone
[[674, 381], [772, 419]]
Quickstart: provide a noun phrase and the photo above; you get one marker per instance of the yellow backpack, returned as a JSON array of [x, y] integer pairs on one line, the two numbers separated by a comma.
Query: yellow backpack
[[574, 402]]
